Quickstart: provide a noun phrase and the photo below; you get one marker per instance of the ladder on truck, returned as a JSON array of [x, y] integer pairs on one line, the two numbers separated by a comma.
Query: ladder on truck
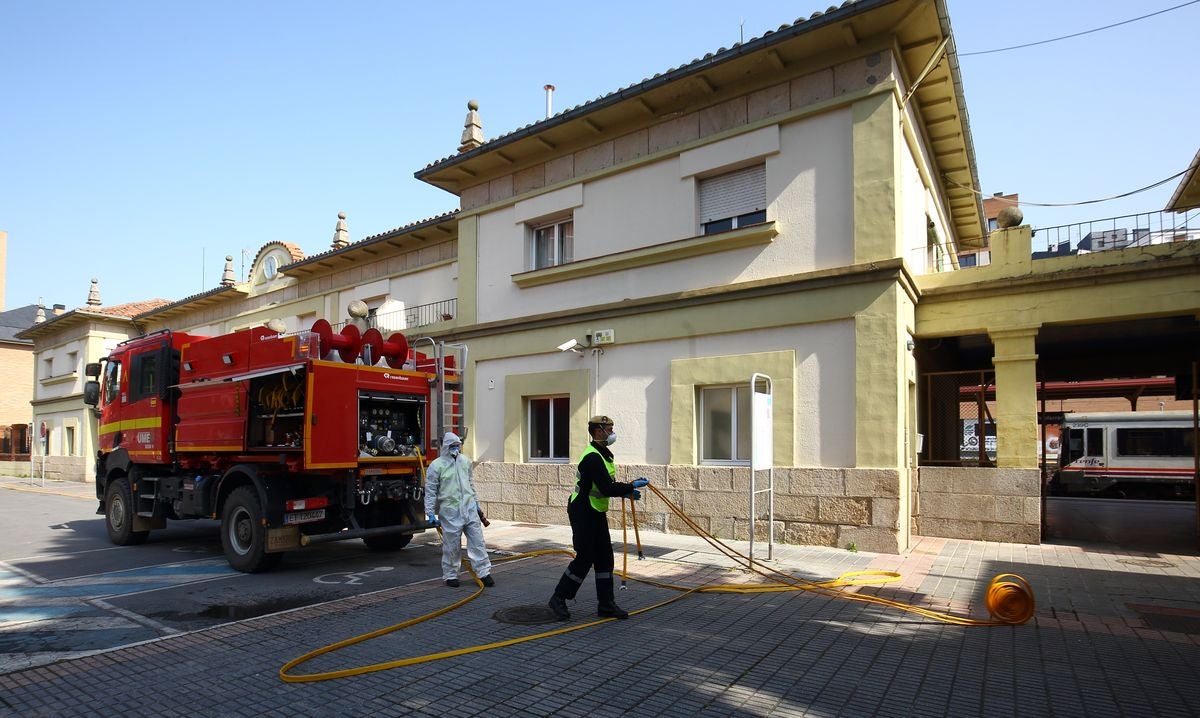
[[449, 389]]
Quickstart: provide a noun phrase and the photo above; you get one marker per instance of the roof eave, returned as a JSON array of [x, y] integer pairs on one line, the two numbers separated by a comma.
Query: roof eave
[[1187, 194], [431, 231]]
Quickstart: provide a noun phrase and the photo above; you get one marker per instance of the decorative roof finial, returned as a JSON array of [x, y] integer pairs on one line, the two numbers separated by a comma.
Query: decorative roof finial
[[94, 293], [341, 238], [472, 135], [227, 277]]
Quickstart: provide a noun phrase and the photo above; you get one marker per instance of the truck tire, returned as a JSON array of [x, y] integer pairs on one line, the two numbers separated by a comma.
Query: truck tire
[[119, 512], [243, 535], [387, 542], [392, 515]]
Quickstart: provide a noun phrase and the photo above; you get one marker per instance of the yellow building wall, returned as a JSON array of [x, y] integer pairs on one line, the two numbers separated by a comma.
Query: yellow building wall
[[16, 376]]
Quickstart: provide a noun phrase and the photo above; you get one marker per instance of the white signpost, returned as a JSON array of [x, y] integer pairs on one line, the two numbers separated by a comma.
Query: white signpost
[[762, 454]]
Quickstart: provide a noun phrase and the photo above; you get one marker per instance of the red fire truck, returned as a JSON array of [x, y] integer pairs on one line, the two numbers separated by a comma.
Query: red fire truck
[[288, 439]]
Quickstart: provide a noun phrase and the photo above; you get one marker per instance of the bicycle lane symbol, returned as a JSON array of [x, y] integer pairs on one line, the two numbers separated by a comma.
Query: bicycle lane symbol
[[348, 578]]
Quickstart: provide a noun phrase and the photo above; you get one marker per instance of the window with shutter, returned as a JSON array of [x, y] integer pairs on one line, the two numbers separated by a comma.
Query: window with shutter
[[734, 199]]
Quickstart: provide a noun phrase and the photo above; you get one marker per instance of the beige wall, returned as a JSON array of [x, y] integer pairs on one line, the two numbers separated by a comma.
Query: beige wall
[[808, 195], [16, 376]]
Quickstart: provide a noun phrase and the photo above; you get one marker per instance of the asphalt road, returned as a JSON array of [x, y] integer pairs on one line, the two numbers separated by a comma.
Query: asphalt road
[[65, 590]]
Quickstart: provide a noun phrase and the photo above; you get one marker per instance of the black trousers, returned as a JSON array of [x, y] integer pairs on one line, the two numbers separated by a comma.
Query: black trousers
[[593, 550]]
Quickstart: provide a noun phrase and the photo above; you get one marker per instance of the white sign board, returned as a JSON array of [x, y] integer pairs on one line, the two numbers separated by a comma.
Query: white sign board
[[762, 451]]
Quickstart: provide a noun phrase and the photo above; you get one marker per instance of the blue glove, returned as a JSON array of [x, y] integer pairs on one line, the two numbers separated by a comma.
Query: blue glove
[[636, 494], [431, 519], [640, 481]]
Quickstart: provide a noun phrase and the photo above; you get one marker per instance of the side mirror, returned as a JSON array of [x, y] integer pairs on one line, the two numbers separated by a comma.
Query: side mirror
[[92, 369], [91, 391]]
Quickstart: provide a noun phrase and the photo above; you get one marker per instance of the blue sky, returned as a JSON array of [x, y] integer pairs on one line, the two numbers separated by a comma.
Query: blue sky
[[141, 142]]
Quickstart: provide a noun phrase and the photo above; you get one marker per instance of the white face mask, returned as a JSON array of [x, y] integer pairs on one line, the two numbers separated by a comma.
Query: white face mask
[[612, 439]]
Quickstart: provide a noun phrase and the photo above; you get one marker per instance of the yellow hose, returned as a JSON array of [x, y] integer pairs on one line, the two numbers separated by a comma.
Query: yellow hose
[[1009, 601]]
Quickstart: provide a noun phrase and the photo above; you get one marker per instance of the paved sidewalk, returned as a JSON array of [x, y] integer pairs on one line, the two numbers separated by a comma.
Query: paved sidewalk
[[1115, 634]]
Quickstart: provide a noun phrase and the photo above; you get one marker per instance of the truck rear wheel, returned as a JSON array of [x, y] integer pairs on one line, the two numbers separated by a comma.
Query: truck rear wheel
[[243, 535], [118, 514], [390, 515]]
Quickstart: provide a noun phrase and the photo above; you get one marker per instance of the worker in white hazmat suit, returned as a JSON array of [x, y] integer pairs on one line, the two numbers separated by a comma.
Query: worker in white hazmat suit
[[450, 494]]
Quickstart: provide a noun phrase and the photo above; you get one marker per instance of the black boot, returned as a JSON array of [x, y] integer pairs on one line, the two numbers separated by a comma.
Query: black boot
[[607, 607], [558, 605], [566, 589]]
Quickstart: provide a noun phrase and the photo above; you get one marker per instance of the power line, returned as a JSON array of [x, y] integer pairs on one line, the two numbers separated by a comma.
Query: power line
[[1072, 204], [1077, 34]]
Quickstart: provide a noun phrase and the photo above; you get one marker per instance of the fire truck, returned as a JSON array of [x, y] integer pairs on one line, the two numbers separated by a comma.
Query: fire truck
[[289, 440]]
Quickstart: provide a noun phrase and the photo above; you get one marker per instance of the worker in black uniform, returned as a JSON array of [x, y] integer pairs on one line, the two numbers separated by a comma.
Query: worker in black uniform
[[595, 482]]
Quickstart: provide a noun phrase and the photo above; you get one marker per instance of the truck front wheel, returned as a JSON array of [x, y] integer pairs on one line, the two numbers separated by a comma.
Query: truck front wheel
[[243, 535], [118, 514]]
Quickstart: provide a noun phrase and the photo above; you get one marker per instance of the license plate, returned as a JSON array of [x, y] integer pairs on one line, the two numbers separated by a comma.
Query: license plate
[[304, 517]]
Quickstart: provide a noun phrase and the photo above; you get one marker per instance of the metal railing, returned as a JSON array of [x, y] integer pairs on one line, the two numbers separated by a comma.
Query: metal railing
[[1131, 230], [409, 318]]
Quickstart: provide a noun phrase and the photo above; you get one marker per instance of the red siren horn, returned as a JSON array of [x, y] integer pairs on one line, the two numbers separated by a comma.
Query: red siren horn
[[347, 342], [395, 350], [372, 342]]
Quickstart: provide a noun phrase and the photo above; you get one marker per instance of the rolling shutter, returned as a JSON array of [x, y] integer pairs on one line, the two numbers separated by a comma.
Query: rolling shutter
[[733, 194]]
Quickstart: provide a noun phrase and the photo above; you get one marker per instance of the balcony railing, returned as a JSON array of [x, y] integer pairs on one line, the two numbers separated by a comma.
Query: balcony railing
[[1131, 230], [409, 318]]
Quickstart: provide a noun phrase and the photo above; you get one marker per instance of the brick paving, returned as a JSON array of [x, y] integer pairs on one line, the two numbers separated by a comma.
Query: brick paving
[[1115, 634]]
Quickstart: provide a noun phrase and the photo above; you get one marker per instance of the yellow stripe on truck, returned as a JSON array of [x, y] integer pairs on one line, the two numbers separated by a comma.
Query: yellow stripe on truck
[[130, 424]]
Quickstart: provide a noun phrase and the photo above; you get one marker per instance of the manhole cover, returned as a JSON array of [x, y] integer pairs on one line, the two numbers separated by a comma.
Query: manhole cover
[[1146, 562], [526, 615]]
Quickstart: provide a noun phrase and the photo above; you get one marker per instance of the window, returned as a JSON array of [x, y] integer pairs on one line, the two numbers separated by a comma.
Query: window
[[993, 224], [69, 441], [552, 244], [549, 431], [1154, 442], [112, 381], [724, 424], [968, 260], [1095, 442], [270, 266], [47, 367], [734, 199], [144, 378], [72, 362]]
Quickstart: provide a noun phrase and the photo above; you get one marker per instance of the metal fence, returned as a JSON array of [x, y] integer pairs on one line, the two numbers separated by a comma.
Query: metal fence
[[958, 426], [409, 318], [1131, 230]]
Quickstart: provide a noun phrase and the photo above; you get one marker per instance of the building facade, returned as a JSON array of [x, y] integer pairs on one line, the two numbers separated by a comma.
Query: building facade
[[785, 214]]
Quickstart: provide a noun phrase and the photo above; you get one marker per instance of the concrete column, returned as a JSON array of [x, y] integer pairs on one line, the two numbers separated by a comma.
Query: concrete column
[[1015, 361]]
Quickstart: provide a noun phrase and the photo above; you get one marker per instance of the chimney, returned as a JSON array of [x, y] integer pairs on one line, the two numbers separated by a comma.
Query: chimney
[[94, 293], [227, 276], [59, 309], [472, 135], [549, 100], [41, 314], [341, 238]]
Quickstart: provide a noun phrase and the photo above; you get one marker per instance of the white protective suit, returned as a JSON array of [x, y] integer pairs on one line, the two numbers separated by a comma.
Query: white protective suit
[[450, 493]]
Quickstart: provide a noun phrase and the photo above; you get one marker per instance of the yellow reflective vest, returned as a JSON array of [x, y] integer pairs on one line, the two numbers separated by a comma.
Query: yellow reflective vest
[[598, 500]]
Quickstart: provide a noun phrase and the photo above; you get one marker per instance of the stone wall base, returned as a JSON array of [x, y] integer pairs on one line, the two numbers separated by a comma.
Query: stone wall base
[[815, 507], [981, 504]]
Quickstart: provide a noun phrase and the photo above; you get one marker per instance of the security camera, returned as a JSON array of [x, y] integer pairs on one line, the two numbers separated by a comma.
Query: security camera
[[568, 345]]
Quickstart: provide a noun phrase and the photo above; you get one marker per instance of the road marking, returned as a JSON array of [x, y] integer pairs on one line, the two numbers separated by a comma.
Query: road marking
[[23, 598], [348, 578]]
